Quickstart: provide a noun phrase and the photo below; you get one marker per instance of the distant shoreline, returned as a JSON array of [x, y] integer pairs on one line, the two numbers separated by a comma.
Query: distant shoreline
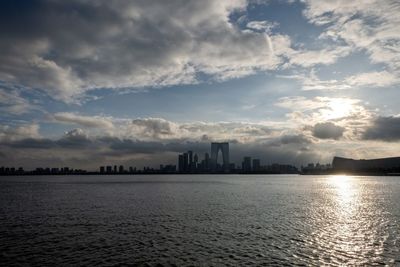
[[219, 173]]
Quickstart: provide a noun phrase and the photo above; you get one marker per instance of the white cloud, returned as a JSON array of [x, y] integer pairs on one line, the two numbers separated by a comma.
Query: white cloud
[[262, 25], [82, 120], [368, 25], [360, 80], [124, 44], [348, 113], [12, 102], [8, 133], [375, 79], [309, 58]]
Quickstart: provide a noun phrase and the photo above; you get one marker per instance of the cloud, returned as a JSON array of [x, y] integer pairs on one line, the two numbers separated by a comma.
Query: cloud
[[309, 58], [82, 120], [294, 139], [71, 47], [327, 117], [153, 141], [262, 25], [154, 128], [373, 79], [76, 149], [323, 108], [150, 141], [370, 26], [12, 102], [383, 129], [327, 130], [8, 133]]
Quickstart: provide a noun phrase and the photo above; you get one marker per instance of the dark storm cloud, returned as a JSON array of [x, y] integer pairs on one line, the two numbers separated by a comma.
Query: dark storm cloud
[[384, 129], [327, 130], [33, 143], [294, 139]]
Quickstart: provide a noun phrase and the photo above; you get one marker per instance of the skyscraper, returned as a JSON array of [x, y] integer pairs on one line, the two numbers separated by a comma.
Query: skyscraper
[[246, 164], [256, 165], [224, 148], [185, 162], [181, 163], [206, 161]]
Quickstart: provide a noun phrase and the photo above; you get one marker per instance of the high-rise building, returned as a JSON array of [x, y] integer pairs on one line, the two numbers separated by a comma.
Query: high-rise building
[[101, 169], [185, 162], [121, 169], [109, 169], [256, 165], [206, 161], [181, 163], [190, 163], [224, 148], [115, 168], [195, 162], [246, 164]]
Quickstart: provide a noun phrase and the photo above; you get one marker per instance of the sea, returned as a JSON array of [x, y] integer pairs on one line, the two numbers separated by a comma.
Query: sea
[[199, 220]]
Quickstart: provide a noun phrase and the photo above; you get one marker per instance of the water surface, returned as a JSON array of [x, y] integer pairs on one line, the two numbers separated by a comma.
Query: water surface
[[199, 220]]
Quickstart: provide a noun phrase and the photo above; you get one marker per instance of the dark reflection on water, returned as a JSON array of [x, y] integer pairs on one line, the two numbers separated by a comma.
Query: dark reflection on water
[[199, 220]]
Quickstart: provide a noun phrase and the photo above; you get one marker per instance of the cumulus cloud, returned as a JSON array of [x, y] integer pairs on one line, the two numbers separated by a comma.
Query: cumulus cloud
[[70, 47], [327, 130], [370, 26], [328, 117], [261, 25], [324, 108], [309, 58], [374, 79], [82, 120], [12, 102], [384, 129], [8, 133]]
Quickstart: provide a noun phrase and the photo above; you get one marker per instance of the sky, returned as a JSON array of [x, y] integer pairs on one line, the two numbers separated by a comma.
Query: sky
[[85, 83]]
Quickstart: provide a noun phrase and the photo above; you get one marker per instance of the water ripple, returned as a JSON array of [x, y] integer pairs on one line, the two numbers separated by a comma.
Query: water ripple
[[200, 220]]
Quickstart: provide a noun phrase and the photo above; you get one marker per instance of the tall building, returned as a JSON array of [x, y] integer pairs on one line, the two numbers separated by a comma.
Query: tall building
[[190, 163], [102, 169], [181, 164], [109, 169], [224, 148], [185, 162], [246, 164], [195, 163], [121, 169], [206, 161], [256, 165]]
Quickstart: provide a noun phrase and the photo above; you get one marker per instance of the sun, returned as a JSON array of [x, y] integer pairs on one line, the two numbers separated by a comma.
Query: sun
[[338, 108]]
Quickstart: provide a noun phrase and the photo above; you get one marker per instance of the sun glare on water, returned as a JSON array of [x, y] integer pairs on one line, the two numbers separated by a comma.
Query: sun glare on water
[[344, 187]]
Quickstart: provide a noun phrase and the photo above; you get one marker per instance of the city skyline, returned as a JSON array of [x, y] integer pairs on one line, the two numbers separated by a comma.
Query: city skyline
[[187, 162], [85, 84]]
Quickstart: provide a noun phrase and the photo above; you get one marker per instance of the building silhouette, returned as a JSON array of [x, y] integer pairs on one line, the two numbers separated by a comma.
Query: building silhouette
[[224, 148], [382, 164], [256, 165], [246, 164]]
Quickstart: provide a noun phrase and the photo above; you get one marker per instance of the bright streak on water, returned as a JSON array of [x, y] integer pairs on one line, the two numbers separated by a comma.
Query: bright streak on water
[[200, 219]]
